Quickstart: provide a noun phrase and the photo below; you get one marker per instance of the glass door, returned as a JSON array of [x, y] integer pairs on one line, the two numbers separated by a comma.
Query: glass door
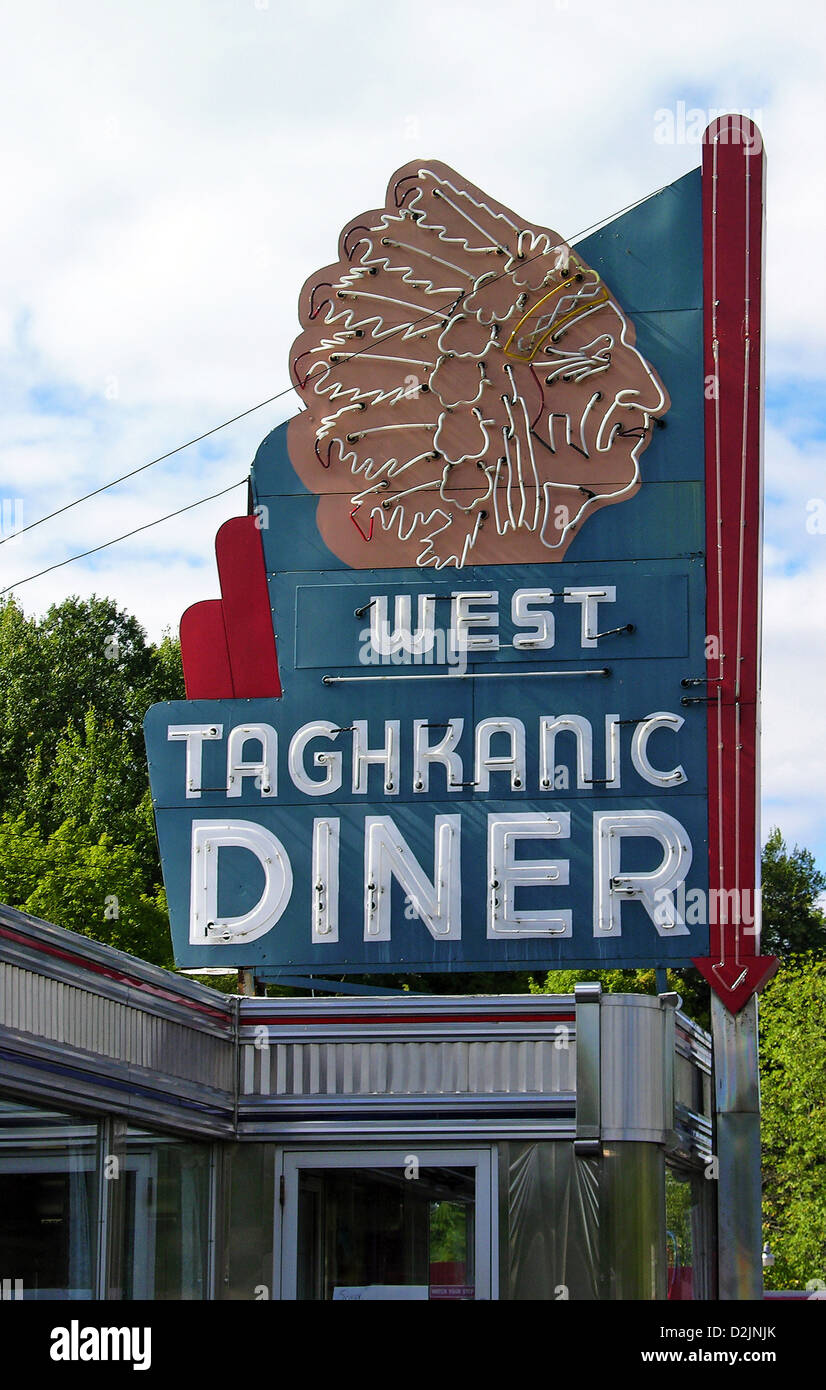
[[361, 1225]]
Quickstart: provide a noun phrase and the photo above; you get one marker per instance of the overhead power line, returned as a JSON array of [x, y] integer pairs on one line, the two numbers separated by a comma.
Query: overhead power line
[[104, 546], [151, 464]]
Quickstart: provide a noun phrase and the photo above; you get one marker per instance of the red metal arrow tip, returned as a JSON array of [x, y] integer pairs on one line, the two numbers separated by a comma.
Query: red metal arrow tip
[[735, 983]]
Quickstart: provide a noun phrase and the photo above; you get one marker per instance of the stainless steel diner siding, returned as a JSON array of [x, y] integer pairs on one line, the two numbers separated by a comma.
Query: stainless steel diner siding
[[317, 1068], [468, 1062], [396, 1067], [98, 1031], [93, 1029]]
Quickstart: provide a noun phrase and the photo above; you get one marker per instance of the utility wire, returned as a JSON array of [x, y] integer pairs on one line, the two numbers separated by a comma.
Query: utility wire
[[360, 352], [151, 464], [147, 527]]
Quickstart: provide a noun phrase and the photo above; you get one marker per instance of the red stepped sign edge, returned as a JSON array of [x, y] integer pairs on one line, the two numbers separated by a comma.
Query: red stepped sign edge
[[204, 653], [228, 644], [733, 181]]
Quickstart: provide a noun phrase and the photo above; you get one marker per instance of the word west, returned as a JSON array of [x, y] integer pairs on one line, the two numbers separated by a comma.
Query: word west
[[474, 622]]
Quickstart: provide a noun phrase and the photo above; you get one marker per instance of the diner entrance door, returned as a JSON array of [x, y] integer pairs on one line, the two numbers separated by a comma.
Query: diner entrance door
[[361, 1225]]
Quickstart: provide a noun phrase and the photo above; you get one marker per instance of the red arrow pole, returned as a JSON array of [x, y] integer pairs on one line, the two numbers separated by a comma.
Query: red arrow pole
[[733, 201], [733, 178]]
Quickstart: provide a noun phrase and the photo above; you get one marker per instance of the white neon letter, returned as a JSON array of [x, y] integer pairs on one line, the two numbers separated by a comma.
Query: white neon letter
[[320, 728], [543, 635], [208, 837], [387, 643], [265, 772], [425, 753], [589, 600], [388, 756], [612, 750], [654, 889], [506, 873], [194, 734], [580, 727], [464, 618], [325, 879], [387, 855], [661, 719], [513, 762]]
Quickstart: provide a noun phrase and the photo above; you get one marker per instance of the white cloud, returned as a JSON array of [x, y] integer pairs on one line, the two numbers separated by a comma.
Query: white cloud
[[794, 750]]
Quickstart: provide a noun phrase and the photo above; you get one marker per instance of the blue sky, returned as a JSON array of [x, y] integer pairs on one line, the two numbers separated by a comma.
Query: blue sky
[[174, 173]]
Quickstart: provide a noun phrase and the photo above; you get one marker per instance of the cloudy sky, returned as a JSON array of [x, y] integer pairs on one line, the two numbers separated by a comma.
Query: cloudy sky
[[173, 171]]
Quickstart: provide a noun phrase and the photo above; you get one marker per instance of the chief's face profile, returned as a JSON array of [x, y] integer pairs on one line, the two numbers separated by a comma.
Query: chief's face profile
[[472, 390]]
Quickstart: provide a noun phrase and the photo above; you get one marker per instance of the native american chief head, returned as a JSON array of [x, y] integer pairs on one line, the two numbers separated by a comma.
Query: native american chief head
[[472, 389]]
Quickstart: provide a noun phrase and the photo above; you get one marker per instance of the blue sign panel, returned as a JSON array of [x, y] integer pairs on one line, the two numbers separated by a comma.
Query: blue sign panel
[[484, 755]]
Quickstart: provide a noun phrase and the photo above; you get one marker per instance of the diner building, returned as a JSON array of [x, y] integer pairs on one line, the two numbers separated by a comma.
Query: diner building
[[160, 1139]]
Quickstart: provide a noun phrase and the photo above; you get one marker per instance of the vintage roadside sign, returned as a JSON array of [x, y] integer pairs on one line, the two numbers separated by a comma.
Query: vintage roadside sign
[[481, 688]]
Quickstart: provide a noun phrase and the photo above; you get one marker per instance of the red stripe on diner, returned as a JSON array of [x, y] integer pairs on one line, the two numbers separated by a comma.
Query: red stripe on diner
[[410, 1018], [132, 980]]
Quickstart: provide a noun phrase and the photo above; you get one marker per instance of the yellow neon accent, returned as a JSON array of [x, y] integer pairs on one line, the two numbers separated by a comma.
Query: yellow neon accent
[[563, 285], [574, 313]]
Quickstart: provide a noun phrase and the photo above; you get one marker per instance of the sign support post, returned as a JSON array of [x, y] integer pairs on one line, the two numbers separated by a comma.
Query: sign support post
[[737, 1106]]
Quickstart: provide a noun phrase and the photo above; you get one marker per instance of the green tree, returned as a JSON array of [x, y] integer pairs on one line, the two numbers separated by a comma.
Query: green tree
[[94, 778], [87, 885], [793, 1086], [77, 838], [84, 654], [792, 883]]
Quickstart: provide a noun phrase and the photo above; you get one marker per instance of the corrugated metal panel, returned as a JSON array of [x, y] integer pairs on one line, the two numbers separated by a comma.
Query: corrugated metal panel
[[79, 1018], [408, 1067], [693, 1133]]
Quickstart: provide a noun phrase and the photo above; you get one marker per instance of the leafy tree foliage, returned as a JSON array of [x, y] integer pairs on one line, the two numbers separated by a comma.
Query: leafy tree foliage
[[89, 886], [792, 883], [793, 1084], [77, 838], [85, 654]]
